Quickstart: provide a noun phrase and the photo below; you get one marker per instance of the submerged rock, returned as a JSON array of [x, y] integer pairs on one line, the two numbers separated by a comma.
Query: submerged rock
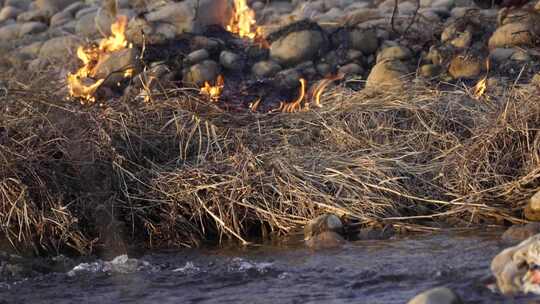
[[439, 295]]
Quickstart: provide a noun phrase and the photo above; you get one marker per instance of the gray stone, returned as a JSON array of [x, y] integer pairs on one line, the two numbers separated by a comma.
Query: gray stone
[[21, 4], [354, 55], [86, 26], [117, 62], [9, 12], [30, 28], [288, 79], [9, 32], [387, 74], [35, 15], [263, 69], [231, 61], [394, 53], [60, 18], [297, 47], [74, 8], [52, 6], [519, 233], [60, 48], [86, 11], [351, 69], [37, 64], [324, 231], [198, 74], [324, 69], [521, 55], [364, 40], [430, 70], [439, 295], [32, 49], [532, 209], [196, 57], [203, 42]]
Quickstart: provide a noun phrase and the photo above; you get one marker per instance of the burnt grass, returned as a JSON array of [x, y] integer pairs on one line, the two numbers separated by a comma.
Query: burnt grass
[[179, 171]]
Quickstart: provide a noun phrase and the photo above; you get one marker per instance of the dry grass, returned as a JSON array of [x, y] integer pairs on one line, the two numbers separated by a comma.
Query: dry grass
[[177, 171]]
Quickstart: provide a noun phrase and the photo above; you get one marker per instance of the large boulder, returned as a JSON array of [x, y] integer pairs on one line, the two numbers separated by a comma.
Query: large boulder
[[297, 47], [514, 34]]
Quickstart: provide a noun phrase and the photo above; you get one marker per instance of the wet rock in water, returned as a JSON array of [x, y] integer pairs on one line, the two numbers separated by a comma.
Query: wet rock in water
[[364, 40], [296, 47], [394, 53], [513, 34], [198, 74], [439, 295], [532, 210], [517, 268], [465, 67], [387, 74], [324, 231], [231, 61], [120, 264], [266, 68], [519, 233], [196, 57]]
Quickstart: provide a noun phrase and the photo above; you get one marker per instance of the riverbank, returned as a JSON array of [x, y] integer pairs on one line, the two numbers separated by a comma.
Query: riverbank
[[178, 171]]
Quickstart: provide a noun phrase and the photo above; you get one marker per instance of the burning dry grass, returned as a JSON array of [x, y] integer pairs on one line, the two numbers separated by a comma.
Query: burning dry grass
[[176, 171]]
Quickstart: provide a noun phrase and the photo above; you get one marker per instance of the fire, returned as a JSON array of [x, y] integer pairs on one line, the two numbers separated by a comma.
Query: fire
[[320, 86], [481, 86], [296, 106], [243, 22], [214, 92], [302, 103], [82, 83]]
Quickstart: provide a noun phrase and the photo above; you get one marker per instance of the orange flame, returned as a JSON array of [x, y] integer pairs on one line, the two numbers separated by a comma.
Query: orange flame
[[243, 23], [481, 86], [81, 84], [296, 106], [214, 92], [320, 86]]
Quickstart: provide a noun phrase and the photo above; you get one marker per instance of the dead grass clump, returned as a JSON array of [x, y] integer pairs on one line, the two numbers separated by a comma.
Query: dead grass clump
[[178, 171]]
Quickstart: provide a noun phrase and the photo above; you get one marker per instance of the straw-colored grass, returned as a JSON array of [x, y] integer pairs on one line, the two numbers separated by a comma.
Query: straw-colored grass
[[178, 171]]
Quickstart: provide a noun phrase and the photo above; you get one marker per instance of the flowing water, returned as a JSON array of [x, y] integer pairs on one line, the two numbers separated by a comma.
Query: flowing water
[[390, 271]]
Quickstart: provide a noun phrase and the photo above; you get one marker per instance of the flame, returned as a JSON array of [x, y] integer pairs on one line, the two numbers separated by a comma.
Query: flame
[[253, 106], [81, 84], [296, 106], [243, 23], [320, 86], [481, 86], [214, 92]]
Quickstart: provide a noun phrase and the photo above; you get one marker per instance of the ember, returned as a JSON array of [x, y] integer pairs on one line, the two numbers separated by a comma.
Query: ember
[[82, 83]]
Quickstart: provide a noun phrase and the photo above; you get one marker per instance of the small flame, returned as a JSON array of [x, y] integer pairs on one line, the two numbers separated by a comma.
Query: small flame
[[255, 105], [214, 92], [481, 86], [81, 84], [320, 86], [243, 23], [296, 106]]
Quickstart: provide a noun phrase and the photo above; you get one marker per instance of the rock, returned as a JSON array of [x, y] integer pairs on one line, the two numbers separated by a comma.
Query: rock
[[112, 67], [9, 12], [288, 79], [59, 47], [394, 53], [9, 32], [513, 34], [60, 19], [324, 232], [53, 6], [36, 15], [74, 8], [38, 65], [29, 28], [203, 42], [387, 74], [364, 40], [86, 26], [532, 210], [430, 70], [86, 11], [324, 69], [355, 55], [439, 295], [516, 268], [351, 69], [446, 4], [521, 55], [297, 47], [465, 67], [519, 233], [32, 49], [196, 57], [182, 15], [231, 61], [198, 74], [264, 69], [20, 4], [501, 54]]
